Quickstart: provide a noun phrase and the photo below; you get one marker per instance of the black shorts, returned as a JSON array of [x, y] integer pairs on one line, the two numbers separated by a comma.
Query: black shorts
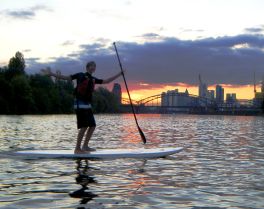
[[85, 118]]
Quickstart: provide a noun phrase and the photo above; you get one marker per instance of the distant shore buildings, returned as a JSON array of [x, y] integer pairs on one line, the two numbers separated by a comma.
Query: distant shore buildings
[[220, 94], [259, 96], [231, 99], [176, 98], [214, 99], [203, 91], [208, 97]]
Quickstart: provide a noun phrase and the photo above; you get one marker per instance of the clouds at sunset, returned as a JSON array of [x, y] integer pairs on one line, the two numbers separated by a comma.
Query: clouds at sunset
[[226, 60], [25, 13], [162, 45]]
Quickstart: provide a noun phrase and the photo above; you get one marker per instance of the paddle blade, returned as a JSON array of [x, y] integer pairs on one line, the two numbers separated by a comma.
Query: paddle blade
[[142, 135]]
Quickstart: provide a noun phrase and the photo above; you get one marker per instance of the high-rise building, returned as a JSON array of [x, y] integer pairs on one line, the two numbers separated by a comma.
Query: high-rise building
[[174, 98], [211, 94], [219, 94], [262, 86], [164, 99], [203, 92], [117, 92], [259, 96], [231, 98]]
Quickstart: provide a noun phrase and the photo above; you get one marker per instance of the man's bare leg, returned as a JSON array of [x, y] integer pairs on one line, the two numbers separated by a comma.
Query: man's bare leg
[[89, 134], [81, 133]]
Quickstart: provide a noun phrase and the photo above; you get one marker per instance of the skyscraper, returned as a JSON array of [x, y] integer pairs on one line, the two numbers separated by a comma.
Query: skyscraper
[[262, 86], [117, 92], [203, 92], [219, 94], [164, 99], [259, 96], [211, 94], [231, 98]]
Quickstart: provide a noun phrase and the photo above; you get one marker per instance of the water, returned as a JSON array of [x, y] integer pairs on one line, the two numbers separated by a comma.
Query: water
[[223, 166]]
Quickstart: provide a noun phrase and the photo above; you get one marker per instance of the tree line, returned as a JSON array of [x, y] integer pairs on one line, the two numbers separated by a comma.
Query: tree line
[[39, 94]]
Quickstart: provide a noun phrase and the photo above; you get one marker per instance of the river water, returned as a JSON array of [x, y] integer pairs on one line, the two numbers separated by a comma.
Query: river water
[[222, 165]]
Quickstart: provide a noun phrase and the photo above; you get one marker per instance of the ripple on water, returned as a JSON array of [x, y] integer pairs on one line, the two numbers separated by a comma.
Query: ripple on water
[[222, 166]]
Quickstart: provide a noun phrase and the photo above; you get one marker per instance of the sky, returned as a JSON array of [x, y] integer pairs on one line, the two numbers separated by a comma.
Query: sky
[[163, 44]]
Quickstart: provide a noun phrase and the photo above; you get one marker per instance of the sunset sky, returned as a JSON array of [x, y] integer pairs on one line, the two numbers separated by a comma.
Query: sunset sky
[[163, 44]]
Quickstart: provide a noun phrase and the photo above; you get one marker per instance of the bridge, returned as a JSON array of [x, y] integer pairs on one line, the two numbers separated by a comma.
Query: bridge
[[189, 103]]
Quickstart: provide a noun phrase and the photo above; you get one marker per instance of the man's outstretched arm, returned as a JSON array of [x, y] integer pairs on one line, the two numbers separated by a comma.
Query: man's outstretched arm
[[48, 72], [109, 80]]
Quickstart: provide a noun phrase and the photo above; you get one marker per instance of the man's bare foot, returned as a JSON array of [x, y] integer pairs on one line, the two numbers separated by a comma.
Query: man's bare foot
[[79, 151], [89, 149]]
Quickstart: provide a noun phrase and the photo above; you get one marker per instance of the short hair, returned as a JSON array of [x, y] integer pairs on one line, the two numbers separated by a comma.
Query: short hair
[[91, 63]]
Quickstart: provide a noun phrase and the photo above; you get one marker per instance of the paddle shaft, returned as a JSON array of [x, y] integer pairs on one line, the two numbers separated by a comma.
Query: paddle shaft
[[131, 104]]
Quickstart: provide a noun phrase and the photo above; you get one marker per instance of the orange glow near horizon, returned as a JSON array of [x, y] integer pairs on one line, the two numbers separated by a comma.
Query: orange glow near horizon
[[143, 91]]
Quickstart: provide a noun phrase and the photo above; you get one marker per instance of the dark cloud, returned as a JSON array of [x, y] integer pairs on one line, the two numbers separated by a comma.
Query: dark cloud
[[32, 59], [26, 50], [21, 14], [255, 30], [32, 62], [72, 55], [28, 13], [93, 50], [150, 35], [230, 60], [67, 43], [230, 41]]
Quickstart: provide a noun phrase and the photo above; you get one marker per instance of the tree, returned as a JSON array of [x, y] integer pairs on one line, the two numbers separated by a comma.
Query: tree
[[6, 95], [41, 86], [22, 100], [65, 89], [38, 94], [105, 101], [51, 97], [16, 65]]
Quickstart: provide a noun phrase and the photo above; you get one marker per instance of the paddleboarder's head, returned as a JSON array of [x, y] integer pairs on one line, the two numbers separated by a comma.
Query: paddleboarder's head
[[91, 67]]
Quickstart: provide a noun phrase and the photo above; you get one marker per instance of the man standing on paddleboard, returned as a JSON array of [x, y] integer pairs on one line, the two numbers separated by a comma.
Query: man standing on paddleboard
[[82, 102]]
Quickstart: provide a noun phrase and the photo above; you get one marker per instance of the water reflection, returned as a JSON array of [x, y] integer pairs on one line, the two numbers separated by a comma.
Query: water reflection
[[221, 168], [83, 178], [133, 183]]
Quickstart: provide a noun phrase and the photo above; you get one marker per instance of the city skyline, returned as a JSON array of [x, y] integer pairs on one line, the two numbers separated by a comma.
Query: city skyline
[[141, 90], [160, 52]]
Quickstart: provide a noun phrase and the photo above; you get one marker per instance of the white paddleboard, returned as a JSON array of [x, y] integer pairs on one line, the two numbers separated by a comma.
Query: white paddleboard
[[103, 153]]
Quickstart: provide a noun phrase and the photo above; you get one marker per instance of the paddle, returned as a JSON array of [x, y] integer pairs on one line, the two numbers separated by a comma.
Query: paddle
[[132, 107]]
